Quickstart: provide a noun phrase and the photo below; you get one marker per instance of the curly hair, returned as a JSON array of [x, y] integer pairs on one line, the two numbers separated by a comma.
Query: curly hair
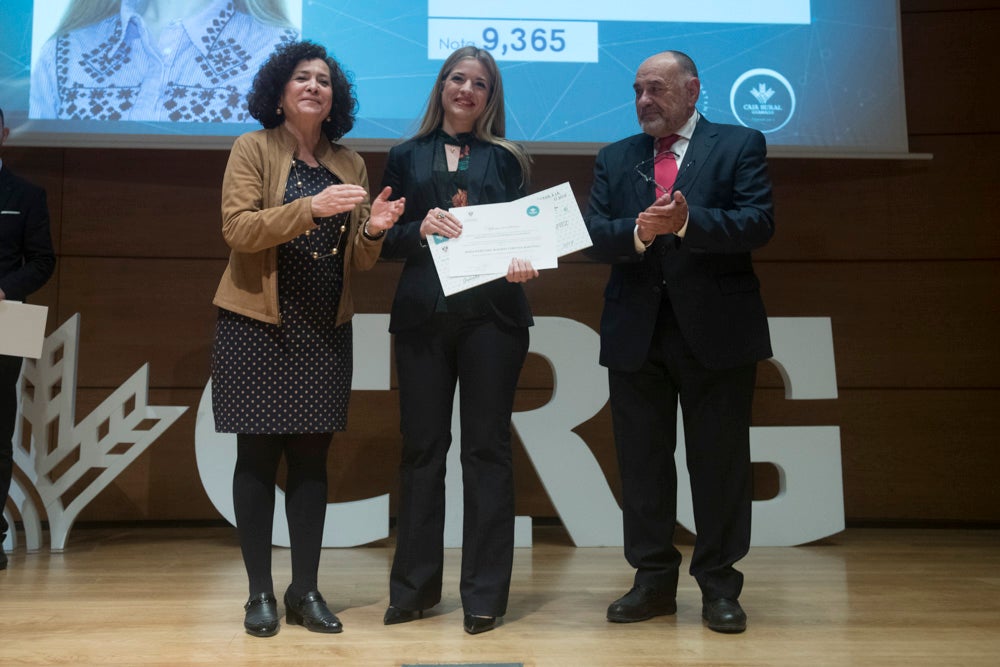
[[269, 85]]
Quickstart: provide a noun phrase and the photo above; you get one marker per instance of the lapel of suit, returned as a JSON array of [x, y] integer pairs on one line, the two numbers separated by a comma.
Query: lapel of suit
[[335, 161], [423, 164], [703, 140], [6, 188]]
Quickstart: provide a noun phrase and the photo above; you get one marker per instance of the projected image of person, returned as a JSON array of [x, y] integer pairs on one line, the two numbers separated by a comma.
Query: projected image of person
[[477, 338], [677, 210], [153, 60], [296, 215]]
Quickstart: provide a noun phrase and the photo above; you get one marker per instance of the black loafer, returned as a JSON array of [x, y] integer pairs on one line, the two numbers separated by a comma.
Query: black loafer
[[262, 615], [394, 615], [724, 615], [641, 603], [476, 624], [312, 613]]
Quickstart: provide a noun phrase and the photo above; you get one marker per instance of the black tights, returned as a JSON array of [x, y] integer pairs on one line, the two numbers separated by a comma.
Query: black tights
[[254, 481]]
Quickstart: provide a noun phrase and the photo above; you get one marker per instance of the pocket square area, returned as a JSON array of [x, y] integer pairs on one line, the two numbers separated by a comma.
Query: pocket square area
[[9, 212]]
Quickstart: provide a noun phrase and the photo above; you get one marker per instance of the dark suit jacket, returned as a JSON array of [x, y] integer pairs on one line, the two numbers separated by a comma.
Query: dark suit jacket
[[708, 274], [494, 176], [26, 256]]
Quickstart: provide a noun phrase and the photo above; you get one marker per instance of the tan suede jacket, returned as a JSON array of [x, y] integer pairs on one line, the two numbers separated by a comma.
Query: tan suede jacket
[[255, 222]]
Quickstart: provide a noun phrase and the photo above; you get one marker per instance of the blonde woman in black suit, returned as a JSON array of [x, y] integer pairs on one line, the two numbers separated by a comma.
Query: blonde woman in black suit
[[477, 338]]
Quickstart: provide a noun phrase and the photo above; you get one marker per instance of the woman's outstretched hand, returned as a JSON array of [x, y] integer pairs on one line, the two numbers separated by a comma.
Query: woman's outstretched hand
[[384, 213]]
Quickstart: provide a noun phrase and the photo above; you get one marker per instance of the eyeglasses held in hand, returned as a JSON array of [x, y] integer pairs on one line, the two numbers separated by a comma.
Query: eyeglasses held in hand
[[649, 164]]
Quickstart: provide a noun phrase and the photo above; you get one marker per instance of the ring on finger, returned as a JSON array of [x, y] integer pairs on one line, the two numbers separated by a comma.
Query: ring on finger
[[440, 215]]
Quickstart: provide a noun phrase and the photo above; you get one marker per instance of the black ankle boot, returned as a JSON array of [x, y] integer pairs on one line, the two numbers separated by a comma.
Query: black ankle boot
[[262, 615], [311, 612]]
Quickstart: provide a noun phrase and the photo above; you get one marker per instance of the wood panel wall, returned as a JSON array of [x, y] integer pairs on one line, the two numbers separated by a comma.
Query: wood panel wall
[[902, 255]]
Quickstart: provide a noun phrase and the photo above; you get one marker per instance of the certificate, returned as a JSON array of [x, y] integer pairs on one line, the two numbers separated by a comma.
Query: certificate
[[571, 232], [494, 234], [557, 210], [22, 329]]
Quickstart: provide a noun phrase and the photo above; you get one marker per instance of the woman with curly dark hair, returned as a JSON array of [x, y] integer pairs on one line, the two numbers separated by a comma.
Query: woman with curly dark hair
[[298, 218]]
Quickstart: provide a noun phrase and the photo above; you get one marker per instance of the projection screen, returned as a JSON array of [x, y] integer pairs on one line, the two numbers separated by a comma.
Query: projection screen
[[818, 77]]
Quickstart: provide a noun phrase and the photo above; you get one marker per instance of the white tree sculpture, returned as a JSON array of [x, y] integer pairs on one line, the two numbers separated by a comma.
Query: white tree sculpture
[[62, 454]]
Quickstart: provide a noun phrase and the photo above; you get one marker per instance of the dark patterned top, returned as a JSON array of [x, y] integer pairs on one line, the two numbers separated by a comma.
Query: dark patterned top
[[198, 70], [451, 188], [292, 377]]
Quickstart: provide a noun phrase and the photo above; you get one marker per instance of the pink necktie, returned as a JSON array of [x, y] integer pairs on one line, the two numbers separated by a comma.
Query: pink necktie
[[665, 169]]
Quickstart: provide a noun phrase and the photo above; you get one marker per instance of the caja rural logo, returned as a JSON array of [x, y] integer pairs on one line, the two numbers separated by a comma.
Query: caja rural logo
[[762, 99]]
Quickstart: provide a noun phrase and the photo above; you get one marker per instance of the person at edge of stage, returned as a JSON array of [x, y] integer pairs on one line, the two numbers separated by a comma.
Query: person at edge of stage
[[27, 261], [297, 217], [676, 210], [477, 338]]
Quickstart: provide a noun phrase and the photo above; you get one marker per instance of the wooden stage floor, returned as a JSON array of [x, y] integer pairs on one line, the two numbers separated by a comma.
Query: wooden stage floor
[[150, 595]]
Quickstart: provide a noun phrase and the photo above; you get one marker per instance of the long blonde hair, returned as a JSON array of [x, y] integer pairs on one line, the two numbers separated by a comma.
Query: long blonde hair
[[82, 13], [490, 126]]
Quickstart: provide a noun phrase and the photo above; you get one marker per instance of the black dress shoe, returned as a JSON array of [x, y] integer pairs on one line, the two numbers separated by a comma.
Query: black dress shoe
[[394, 615], [312, 613], [476, 624], [262, 615], [641, 603], [3, 558], [724, 615]]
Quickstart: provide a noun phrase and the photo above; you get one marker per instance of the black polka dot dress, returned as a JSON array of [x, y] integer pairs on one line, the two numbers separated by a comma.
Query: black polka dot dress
[[292, 377]]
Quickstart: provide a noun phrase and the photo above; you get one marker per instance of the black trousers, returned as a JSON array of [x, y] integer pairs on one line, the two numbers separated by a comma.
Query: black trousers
[[485, 358], [10, 370], [716, 406]]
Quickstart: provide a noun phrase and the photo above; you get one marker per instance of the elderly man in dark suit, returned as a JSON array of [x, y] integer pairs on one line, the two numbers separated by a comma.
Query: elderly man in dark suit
[[677, 211], [26, 262]]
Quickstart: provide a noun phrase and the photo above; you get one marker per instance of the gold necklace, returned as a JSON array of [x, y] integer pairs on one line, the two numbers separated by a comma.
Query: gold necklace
[[340, 234]]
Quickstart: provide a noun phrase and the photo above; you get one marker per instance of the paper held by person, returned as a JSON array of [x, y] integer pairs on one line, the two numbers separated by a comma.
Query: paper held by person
[[494, 234], [540, 227], [22, 329]]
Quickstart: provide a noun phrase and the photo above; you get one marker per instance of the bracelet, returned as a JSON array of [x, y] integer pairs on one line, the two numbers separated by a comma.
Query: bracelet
[[364, 232]]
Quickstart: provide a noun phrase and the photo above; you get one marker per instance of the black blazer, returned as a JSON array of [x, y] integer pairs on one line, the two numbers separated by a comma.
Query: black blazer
[[708, 274], [494, 176], [26, 256]]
